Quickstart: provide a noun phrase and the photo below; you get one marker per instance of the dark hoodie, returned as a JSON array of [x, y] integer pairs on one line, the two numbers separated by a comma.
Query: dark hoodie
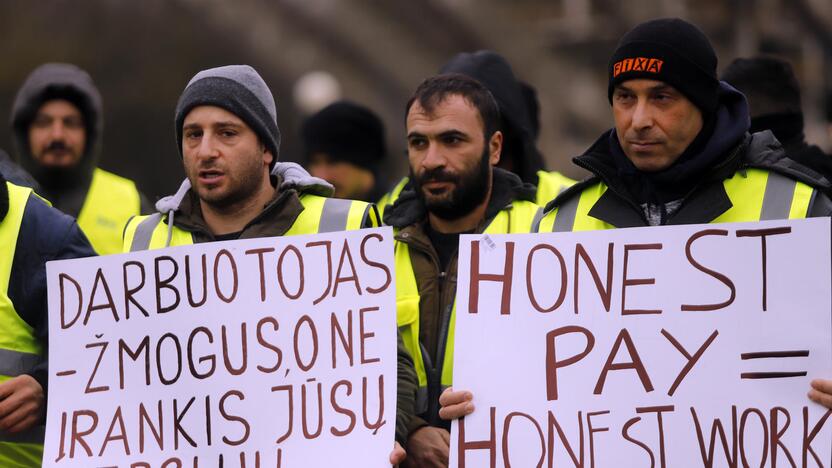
[[788, 128], [495, 73], [678, 194], [67, 189], [15, 174]]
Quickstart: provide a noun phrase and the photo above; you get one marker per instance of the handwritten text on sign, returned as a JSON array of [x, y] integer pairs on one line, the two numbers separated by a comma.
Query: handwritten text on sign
[[274, 352], [675, 346]]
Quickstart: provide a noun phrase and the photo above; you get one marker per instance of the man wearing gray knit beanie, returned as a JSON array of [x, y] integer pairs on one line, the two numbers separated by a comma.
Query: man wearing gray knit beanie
[[227, 134]]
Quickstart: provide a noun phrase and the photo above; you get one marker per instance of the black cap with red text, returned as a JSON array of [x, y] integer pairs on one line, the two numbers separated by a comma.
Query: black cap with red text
[[670, 50]]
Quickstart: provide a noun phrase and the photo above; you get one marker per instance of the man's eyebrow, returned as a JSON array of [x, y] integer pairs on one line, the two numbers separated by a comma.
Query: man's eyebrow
[[414, 134], [453, 133], [227, 123], [662, 87]]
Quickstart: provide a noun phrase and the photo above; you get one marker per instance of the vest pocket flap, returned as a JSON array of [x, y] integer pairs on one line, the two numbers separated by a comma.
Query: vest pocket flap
[[407, 310]]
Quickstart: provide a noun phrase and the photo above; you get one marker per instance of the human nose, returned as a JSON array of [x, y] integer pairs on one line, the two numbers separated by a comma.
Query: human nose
[[642, 115], [57, 130], [434, 157], [207, 148]]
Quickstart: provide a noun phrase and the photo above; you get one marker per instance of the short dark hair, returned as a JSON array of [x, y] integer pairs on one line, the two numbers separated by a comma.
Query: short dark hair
[[768, 83], [437, 88]]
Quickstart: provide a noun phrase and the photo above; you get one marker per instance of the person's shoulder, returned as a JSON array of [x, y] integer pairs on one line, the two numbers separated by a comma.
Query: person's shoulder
[[572, 192], [48, 230], [763, 151]]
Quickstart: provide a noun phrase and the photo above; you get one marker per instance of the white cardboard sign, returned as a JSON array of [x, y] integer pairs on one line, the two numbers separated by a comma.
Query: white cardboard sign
[[274, 352], [668, 347]]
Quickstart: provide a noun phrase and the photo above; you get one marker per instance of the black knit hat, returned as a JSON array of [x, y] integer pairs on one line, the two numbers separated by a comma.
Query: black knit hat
[[669, 50], [345, 131], [239, 89]]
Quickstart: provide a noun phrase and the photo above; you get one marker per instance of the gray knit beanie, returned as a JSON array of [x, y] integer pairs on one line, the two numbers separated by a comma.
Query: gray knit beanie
[[239, 90]]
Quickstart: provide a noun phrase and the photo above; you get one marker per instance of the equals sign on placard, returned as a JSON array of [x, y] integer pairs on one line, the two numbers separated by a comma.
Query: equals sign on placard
[[773, 355]]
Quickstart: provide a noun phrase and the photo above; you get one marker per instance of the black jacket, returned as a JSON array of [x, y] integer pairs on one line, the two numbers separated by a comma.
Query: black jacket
[[45, 234], [698, 177]]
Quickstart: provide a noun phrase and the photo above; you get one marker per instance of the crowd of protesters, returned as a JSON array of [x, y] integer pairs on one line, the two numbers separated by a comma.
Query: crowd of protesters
[[686, 148]]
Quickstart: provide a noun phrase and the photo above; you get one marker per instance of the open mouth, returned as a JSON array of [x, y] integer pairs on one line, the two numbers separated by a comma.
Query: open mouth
[[210, 177]]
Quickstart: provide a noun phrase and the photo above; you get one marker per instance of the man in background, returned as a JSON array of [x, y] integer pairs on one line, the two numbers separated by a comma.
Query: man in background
[[57, 124], [773, 95], [344, 145]]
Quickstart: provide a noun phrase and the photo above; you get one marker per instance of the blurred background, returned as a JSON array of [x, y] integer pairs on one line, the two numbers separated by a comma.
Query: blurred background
[[375, 52]]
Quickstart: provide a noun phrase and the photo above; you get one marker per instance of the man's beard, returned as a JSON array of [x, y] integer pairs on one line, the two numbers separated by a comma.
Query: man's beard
[[470, 189], [244, 185], [59, 177]]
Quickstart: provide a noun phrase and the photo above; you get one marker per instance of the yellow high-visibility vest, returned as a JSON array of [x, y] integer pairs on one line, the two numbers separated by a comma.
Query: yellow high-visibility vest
[[756, 195], [320, 214], [20, 351], [550, 185], [518, 218], [111, 201], [390, 197]]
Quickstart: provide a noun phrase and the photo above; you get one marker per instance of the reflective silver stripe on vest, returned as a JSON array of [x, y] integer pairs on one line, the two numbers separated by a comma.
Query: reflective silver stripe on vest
[[334, 215], [34, 435], [538, 217], [565, 219], [421, 400], [14, 363], [777, 200], [144, 232]]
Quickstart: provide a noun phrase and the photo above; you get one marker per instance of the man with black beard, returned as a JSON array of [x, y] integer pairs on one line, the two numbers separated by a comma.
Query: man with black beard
[[453, 145], [57, 125]]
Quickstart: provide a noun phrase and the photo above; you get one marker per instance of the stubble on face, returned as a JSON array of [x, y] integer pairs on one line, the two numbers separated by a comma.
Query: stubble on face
[[223, 158], [470, 188]]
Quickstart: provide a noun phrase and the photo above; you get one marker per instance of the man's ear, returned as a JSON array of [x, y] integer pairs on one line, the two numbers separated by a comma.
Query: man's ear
[[268, 157], [495, 148]]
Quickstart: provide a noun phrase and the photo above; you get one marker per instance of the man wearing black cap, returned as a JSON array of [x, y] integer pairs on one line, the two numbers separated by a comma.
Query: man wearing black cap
[[344, 145], [773, 95], [680, 153]]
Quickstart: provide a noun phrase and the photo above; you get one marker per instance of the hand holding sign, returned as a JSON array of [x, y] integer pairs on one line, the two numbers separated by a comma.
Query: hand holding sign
[[455, 404], [21, 404], [271, 352], [821, 392]]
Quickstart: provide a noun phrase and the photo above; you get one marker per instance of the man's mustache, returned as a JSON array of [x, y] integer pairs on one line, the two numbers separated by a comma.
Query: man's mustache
[[57, 145], [438, 174]]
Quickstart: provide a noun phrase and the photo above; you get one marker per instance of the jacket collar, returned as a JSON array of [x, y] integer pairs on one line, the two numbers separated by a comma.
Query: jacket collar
[[708, 198], [704, 202], [276, 218]]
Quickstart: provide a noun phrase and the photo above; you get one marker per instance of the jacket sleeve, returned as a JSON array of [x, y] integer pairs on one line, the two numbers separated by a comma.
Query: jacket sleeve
[[406, 393], [45, 234]]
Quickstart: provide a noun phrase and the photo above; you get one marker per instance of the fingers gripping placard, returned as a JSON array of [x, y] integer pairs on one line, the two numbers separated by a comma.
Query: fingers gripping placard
[[676, 346], [275, 352]]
